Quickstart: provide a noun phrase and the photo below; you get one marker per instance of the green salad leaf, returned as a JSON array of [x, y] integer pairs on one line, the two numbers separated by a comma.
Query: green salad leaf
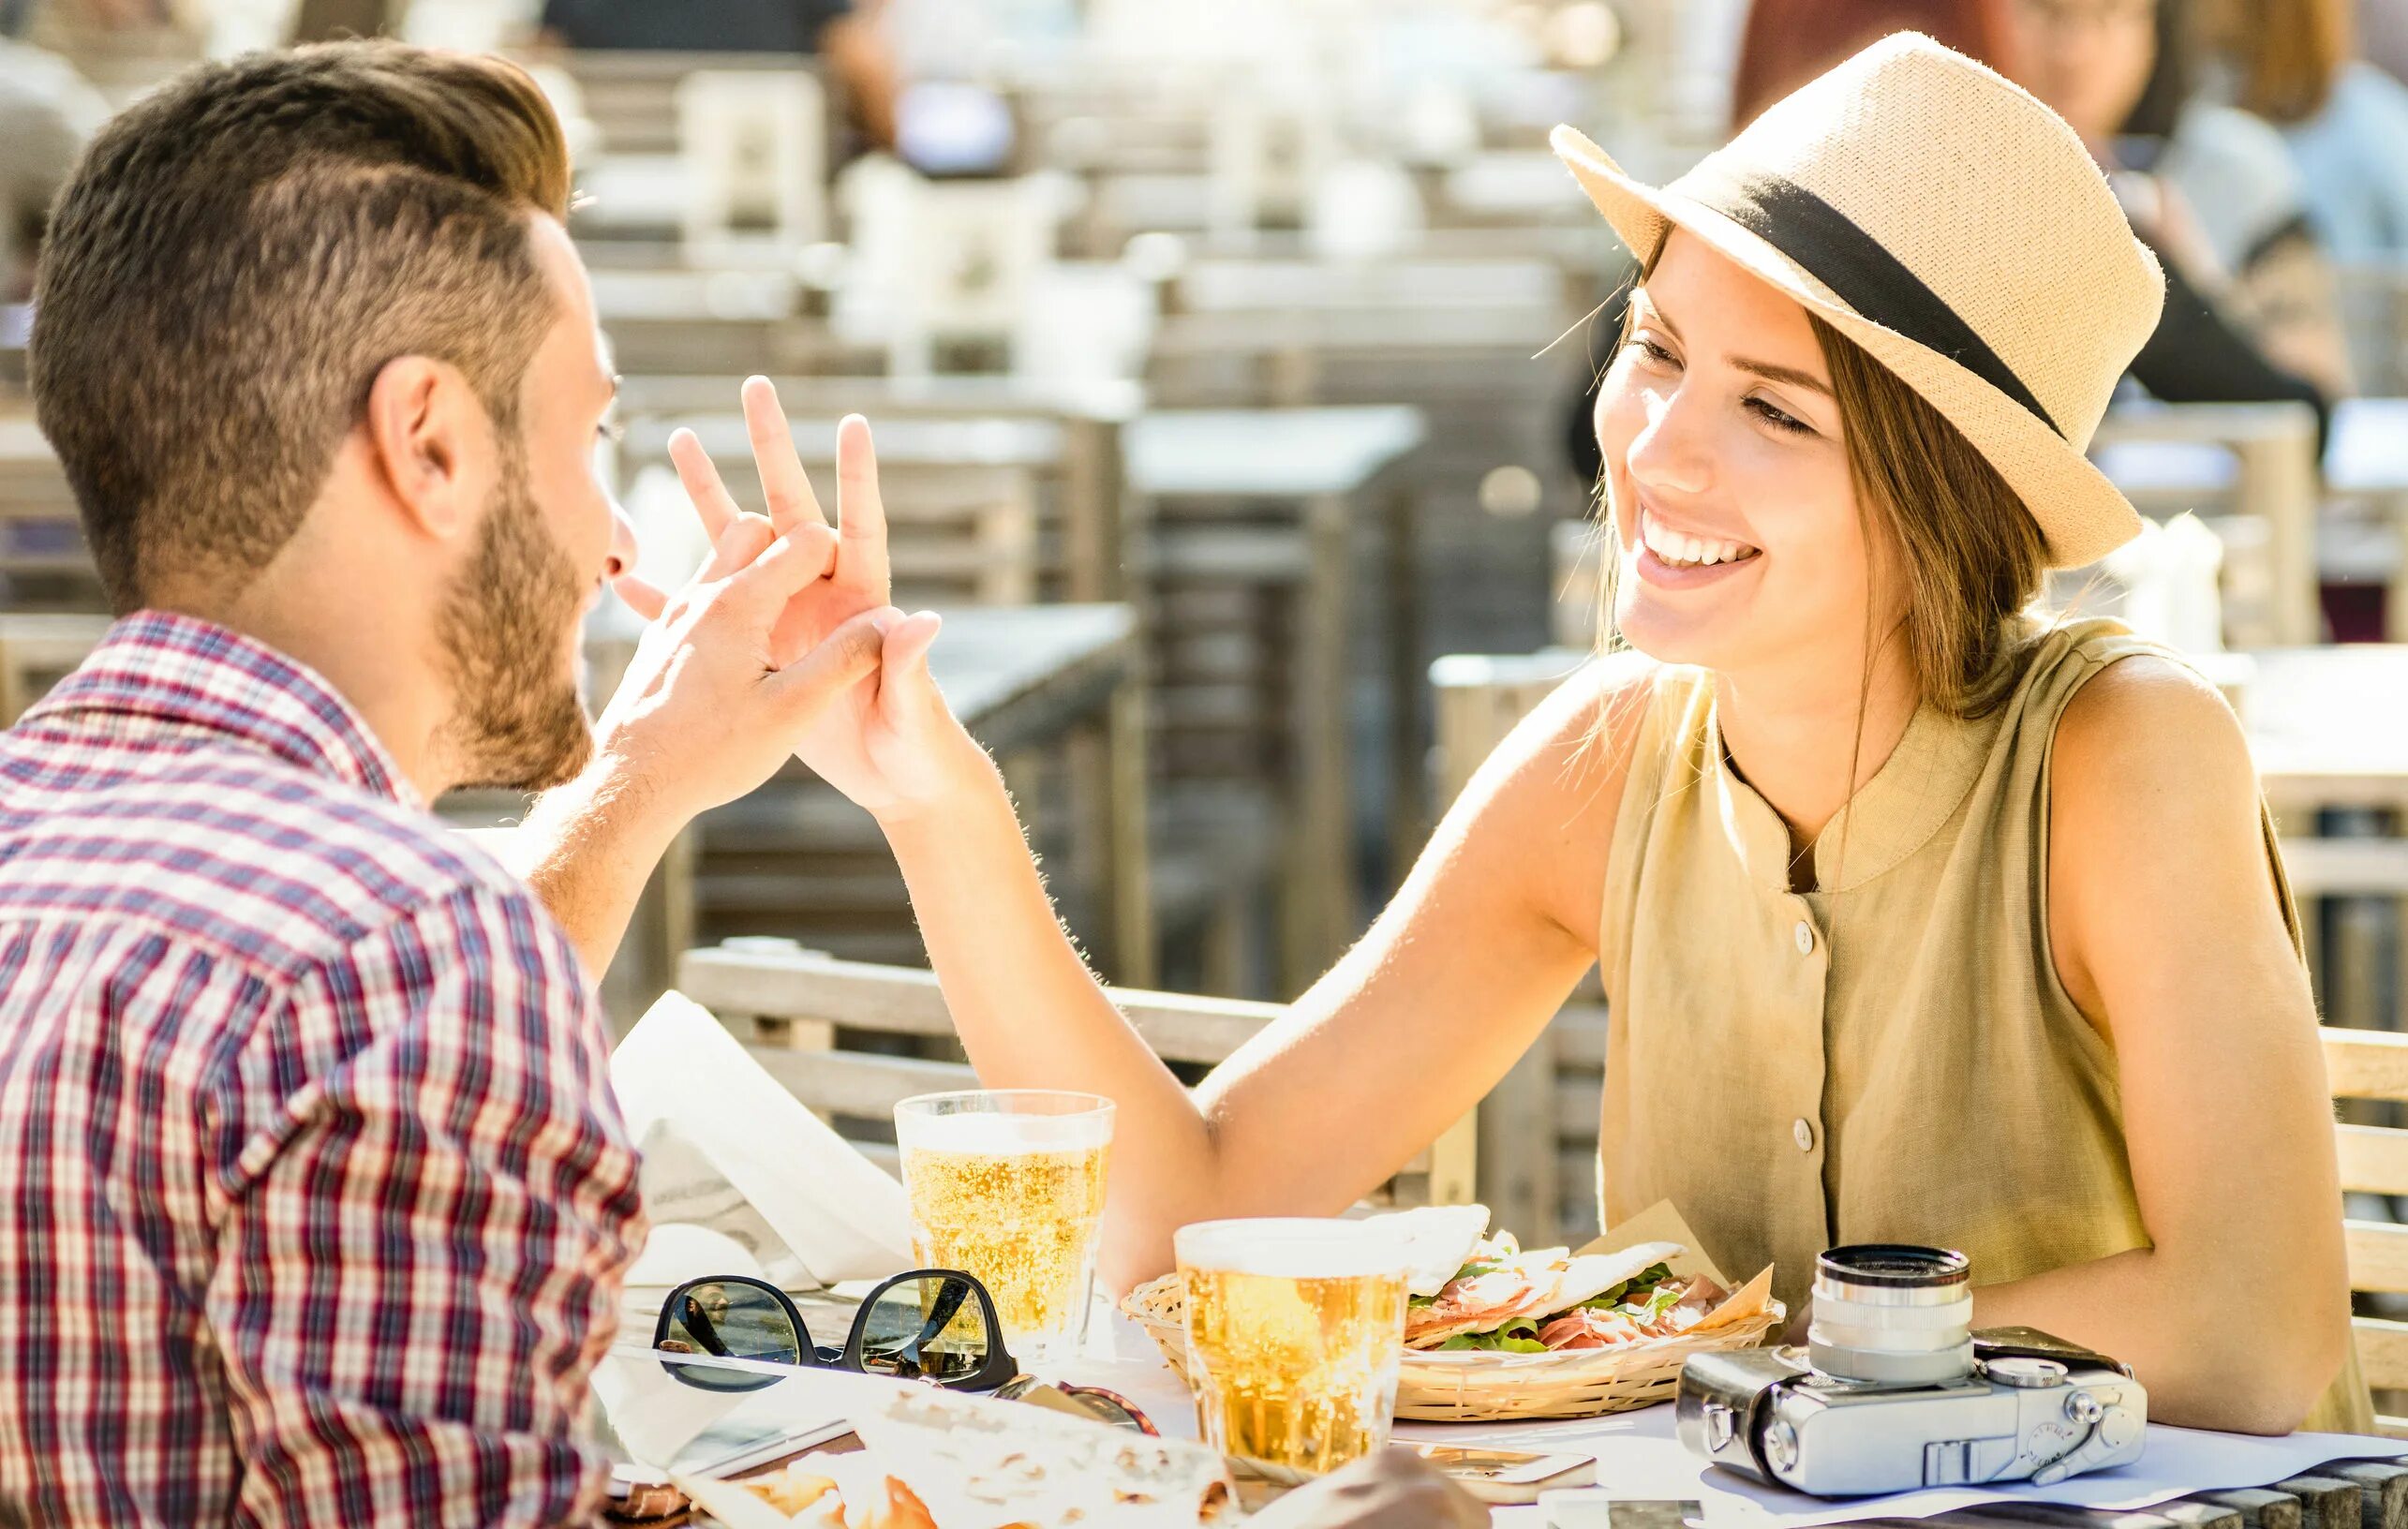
[[1521, 1338], [1629, 1293]]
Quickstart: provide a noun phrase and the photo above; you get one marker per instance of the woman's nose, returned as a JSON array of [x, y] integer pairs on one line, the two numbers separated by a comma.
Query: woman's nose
[[1668, 454]]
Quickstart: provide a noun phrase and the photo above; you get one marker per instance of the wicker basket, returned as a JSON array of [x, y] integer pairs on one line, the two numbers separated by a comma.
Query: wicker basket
[[1480, 1388]]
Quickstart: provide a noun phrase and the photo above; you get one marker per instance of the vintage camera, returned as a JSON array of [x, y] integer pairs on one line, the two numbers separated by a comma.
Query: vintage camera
[[1894, 1390]]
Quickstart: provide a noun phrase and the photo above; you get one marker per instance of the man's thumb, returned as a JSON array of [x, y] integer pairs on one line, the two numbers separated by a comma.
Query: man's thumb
[[843, 658]]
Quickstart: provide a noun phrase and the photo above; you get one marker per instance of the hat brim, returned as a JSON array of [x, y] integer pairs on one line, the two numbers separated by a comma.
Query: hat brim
[[2081, 514]]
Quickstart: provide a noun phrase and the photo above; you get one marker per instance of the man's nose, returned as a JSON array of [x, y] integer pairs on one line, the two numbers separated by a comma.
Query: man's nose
[[623, 549]]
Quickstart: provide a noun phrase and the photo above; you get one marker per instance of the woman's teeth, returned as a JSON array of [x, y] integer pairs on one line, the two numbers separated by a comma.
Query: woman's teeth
[[1684, 551]]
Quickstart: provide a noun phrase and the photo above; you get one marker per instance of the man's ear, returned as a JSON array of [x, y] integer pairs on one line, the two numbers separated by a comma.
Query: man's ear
[[426, 431]]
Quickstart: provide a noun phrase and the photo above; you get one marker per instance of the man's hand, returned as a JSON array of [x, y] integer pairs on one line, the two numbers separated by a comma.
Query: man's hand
[[890, 743], [711, 706]]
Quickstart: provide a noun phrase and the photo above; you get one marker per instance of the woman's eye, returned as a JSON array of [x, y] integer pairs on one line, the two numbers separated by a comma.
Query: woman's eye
[[1778, 421], [1653, 351], [610, 430]]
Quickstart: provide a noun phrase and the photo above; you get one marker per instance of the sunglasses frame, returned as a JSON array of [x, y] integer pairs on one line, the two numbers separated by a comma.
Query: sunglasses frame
[[995, 1368]]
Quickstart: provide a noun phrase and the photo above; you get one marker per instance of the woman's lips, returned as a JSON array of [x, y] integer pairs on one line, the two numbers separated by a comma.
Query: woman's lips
[[1666, 575]]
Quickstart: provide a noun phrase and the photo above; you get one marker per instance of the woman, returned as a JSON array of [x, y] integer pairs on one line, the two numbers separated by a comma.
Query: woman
[[1918, 922]]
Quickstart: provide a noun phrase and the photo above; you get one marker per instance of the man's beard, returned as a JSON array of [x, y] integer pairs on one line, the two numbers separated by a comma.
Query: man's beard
[[516, 718]]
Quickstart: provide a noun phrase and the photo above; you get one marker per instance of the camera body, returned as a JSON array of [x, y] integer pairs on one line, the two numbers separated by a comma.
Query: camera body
[[2032, 1406], [1895, 1393]]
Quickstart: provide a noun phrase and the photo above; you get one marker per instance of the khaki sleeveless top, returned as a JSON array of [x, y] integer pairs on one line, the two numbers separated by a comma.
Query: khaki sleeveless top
[[1924, 1077]]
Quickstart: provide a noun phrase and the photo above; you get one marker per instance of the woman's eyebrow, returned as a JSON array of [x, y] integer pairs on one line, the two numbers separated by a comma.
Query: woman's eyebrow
[[1772, 373]]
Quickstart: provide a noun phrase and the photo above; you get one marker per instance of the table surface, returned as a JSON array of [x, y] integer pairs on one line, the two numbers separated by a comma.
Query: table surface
[[1121, 1359], [1269, 452], [987, 658]]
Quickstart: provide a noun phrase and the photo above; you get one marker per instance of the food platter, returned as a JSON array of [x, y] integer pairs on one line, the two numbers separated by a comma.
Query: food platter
[[1511, 1334]]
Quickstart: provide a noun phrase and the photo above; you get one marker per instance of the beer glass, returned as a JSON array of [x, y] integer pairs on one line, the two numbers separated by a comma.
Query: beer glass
[[1294, 1331], [1007, 1185]]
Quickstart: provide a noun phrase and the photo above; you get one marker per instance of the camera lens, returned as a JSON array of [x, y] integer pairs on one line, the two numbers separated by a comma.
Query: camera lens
[[1892, 1314]]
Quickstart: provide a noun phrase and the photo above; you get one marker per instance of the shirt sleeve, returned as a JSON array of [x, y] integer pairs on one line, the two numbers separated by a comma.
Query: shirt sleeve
[[422, 1247]]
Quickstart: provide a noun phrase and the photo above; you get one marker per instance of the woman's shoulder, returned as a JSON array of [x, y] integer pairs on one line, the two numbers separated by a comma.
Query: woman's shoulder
[[2141, 721]]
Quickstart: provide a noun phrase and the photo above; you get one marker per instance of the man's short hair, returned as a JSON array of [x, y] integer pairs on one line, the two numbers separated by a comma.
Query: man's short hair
[[239, 255]]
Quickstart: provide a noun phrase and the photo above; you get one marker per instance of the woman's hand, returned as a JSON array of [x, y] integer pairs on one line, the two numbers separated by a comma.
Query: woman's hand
[[890, 744]]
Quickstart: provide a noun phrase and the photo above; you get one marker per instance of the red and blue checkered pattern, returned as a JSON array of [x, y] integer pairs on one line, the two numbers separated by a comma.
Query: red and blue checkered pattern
[[314, 1201]]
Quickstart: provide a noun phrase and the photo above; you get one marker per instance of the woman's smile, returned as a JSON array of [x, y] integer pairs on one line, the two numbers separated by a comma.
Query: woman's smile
[[1672, 558]]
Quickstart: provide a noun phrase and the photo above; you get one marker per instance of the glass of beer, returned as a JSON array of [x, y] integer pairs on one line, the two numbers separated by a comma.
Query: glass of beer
[[1007, 1184], [1294, 1331]]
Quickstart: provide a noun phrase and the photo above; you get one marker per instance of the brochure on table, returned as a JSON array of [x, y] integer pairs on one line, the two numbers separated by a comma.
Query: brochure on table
[[738, 1178]]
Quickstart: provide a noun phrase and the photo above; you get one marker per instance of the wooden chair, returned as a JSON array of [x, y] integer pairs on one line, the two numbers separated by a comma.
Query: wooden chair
[[851, 1040], [2363, 1064]]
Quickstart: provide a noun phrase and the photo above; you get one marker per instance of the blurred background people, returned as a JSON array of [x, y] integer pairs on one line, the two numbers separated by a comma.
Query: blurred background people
[[1786, 43], [842, 32], [2294, 63], [2212, 187]]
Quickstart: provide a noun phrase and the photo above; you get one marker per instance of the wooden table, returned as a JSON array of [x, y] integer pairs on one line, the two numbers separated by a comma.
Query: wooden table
[[1279, 498]]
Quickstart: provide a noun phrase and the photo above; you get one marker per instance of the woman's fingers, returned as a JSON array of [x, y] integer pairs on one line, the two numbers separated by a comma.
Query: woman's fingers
[[791, 503], [861, 515], [745, 539], [904, 664], [713, 505], [640, 597]]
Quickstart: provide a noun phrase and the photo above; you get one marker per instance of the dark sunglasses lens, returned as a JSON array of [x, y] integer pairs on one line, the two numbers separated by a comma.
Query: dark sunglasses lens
[[729, 1321], [930, 1328]]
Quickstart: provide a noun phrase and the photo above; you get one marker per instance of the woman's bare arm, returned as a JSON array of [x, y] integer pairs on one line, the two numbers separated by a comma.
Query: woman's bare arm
[[2166, 932], [1402, 1037]]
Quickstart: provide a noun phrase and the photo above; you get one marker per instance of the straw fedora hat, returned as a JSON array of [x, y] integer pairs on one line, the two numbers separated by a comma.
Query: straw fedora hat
[[1958, 230]]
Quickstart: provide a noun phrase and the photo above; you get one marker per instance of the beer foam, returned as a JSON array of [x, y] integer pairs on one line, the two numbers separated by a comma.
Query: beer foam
[[1291, 1250], [1004, 1135]]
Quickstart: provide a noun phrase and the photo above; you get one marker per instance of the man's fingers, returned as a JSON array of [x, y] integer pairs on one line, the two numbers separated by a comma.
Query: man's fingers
[[714, 506], [791, 503], [861, 515], [745, 539], [848, 656], [640, 597]]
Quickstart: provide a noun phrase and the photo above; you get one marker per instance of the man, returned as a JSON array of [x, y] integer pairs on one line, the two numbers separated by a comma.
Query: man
[[318, 1203]]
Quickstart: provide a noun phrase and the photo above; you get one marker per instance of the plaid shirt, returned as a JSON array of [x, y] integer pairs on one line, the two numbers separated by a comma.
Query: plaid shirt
[[314, 1201]]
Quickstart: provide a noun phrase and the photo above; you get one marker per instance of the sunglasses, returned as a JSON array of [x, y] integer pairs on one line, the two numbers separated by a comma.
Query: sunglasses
[[935, 1325]]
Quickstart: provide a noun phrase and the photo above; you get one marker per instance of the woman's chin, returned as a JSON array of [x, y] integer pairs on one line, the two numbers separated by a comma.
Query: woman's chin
[[1668, 634]]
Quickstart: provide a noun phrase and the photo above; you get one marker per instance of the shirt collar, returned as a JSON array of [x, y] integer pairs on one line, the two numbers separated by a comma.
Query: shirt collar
[[1914, 793], [157, 670]]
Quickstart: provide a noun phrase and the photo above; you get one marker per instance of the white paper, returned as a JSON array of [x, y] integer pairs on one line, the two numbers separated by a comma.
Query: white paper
[[974, 1461], [726, 1149], [1639, 1457]]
